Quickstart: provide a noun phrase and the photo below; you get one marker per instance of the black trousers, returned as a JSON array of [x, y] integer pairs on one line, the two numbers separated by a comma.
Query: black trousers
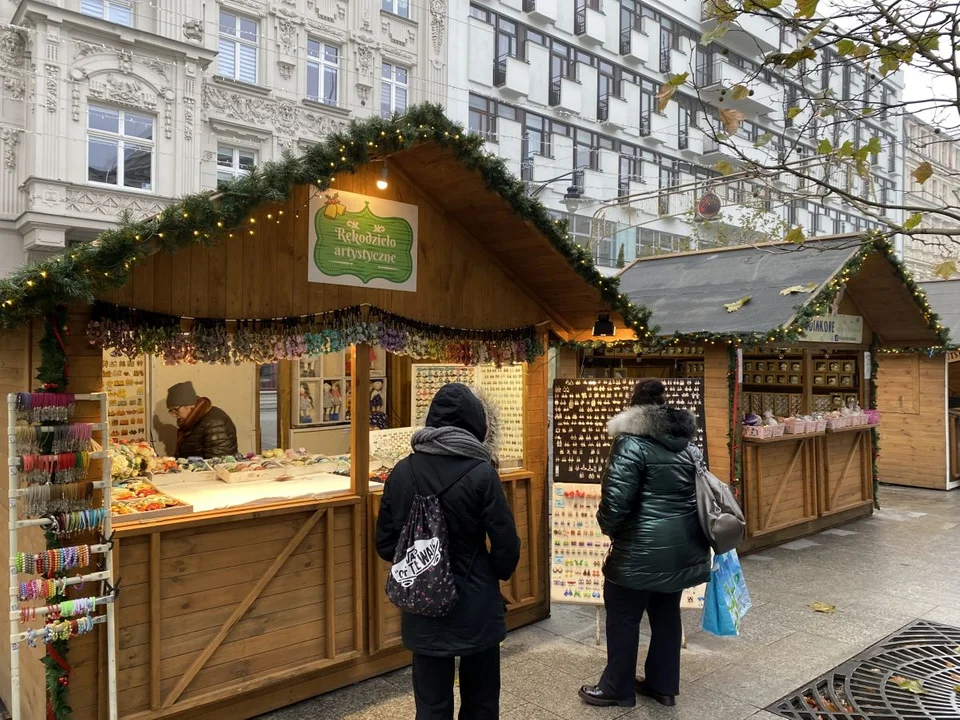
[[625, 608], [479, 686]]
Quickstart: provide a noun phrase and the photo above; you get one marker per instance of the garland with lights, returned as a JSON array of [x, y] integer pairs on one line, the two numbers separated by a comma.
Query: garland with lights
[[132, 332], [84, 272], [734, 430]]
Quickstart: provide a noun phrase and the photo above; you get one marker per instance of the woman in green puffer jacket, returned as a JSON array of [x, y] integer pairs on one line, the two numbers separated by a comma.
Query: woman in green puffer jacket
[[649, 511]]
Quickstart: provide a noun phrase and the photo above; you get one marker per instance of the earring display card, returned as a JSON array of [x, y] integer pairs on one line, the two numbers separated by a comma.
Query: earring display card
[[579, 548], [581, 409], [427, 379], [125, 382], [391, 446]]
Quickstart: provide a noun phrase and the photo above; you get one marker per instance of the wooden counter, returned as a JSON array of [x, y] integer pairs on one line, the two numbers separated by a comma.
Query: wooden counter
[[796, 485]]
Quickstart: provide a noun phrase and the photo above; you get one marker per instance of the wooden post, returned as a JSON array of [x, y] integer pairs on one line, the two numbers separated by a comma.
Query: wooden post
[[360, 419], [285, 397]]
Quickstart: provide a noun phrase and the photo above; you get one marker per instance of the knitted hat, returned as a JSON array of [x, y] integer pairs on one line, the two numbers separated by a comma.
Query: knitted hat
[[181, 394]]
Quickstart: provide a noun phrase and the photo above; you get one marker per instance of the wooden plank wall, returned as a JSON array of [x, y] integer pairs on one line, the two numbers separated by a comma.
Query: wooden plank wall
[[780, 484], [265, 274], [911, 401], [847, 475], [716, 401]]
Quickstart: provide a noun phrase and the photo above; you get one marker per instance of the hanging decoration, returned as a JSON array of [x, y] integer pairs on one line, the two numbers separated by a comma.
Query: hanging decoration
[[83, 273], [181, 340]]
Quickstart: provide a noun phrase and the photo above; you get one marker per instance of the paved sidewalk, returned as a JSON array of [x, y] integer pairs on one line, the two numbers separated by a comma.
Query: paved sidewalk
[[880, 573]]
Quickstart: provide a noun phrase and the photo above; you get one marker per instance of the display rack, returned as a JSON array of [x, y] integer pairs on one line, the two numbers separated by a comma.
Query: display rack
[[321, 389], [581, 410], [73, 616]]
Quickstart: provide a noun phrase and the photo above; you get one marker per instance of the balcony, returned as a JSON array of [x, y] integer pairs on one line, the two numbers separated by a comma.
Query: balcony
[[722, 77], [613, 111], [656, 127], [566, 95], [635, 46], [749, 33], [590, 24], [512, 76], [690, 141], [542, 10]]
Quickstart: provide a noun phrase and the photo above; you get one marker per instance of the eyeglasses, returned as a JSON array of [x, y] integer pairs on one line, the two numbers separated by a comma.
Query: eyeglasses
[[174, 410]]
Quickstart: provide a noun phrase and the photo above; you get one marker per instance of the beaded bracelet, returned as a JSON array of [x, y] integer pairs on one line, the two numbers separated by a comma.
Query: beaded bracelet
[[53, 561]]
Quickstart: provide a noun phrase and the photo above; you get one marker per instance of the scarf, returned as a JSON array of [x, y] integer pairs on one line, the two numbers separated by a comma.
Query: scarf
[[449, 440], [201, 408]]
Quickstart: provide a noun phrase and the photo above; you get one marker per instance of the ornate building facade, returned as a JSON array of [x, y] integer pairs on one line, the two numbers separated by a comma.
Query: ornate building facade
[[927, 143], [110, 107]]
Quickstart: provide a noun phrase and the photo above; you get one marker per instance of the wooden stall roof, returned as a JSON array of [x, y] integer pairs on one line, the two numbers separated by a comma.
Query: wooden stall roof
[[688, 293], [944, 296]]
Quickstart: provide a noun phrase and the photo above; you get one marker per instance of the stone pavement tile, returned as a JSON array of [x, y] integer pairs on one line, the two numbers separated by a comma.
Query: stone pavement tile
[[520, 643], [943, 614], [799, 545], [854, 624], [778, 669], [528, 712], [764, 625], [693, 703], [573, 658], [371, 700], [573, 624], [555, 691], [764, 715], [706, 653]]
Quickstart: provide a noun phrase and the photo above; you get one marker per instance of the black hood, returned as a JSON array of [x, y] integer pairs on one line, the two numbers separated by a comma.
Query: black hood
[[455, 405], [671, 427]]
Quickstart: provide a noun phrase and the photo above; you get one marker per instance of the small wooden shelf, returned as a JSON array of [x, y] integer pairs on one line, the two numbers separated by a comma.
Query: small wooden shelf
[[782, 438], [855, 428]]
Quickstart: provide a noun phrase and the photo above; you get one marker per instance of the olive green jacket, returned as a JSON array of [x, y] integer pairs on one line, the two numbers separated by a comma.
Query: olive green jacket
[[649, 503]]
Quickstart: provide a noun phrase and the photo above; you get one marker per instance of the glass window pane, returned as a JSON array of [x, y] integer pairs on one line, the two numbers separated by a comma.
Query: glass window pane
[[401, 75], [386, 71], [137, 162], [227, 58], [248, 30], [385, 99], [121, 14], [138, 126], [247, 160], [224, 156], [228, 23], [331, 53], [93, 8], [400, 99], [330, 86], [103, 119], [313, 81], [223, 177], [313, 48], [248, 64], [102, 161], [403, 8]]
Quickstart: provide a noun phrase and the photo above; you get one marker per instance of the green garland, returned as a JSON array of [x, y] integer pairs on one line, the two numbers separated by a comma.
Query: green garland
[[734, 431], [89, 270], [54, 367], [875, 431]]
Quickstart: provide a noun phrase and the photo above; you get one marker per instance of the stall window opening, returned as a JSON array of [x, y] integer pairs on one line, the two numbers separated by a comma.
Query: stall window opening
[[394, 83], [323, 72], [234, 162], [239, 47], [115, 11], [120, 147]]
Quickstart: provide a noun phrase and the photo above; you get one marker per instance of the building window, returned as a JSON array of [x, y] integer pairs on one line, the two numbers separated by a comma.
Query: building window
[[239, 45], [233, 163], [119, 148], [393, 89], [397, 7], [323, 71], [483, 117], [115, 11]]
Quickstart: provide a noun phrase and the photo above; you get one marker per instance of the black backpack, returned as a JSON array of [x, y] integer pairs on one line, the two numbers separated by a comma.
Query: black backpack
[[421, 580]]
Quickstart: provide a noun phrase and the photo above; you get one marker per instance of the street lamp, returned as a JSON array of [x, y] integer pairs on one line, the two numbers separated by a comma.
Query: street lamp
[[574, 191]]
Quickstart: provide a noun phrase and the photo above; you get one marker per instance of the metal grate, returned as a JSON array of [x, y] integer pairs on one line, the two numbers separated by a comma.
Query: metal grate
[[864, 687]]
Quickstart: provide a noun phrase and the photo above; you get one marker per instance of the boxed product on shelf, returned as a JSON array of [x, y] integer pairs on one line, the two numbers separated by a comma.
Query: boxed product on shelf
[[763, 432], [273, 465]]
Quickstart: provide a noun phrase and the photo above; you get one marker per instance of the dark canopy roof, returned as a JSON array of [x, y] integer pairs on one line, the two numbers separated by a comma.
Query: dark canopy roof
[[687, 293], [944, 296]]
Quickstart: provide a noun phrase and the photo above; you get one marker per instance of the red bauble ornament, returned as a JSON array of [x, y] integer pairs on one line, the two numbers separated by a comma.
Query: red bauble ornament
[[49, 386], [63, 680]]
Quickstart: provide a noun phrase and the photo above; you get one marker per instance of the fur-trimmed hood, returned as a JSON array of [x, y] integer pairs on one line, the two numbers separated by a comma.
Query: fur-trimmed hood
[[669, 426], [492, 413]]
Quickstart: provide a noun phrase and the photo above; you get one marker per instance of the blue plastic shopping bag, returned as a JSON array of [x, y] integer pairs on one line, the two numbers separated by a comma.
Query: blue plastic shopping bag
[[726, 600]]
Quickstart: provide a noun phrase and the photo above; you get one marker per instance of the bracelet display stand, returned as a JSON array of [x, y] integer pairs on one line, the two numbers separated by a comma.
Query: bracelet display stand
[[88, 520]]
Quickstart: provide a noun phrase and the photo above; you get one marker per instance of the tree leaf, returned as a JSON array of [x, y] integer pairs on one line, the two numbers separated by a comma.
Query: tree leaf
[[808, 38], [797, 289], [763, 140], [715, 34], [947, 269], [806, 8], [731, 120], [824, 147], [845, 150], [793, 112], [845, 47], [734, 306], [724, 168], [795, 236], [911, 686], [669, 89], [922, 173], [873, 145], [956, 688], [740, 92], [913, 221], [861, 51], [824, 608]]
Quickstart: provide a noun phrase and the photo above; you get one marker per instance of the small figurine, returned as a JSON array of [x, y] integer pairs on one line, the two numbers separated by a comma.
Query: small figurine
[[306, 404], [327, 401], [336, 400]]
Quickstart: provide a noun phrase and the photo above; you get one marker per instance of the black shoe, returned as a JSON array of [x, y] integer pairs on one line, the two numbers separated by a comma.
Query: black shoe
[[665, 700], [592, 695]]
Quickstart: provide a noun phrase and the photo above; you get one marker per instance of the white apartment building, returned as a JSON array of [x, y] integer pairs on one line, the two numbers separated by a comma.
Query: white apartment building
[[926, 143], [559, 85], [120, 106]]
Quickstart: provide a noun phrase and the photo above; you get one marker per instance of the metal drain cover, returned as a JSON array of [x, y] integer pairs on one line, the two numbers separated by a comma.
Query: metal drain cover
[[879, 683]]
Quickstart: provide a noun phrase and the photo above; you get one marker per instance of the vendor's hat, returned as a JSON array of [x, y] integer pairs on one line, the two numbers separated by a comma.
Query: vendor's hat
[[181, 394]]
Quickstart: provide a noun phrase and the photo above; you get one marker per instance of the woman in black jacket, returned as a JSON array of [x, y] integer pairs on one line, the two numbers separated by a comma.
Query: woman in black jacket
[[648, 509], [451, 446]]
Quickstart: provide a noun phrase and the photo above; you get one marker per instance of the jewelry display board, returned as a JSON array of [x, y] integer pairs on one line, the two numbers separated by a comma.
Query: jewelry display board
[[125, 382], [391, 446], [579, 548], [581, 410], [502, 385]]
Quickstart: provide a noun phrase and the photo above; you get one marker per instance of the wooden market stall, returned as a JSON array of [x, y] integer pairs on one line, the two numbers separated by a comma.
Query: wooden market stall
[[790, 332], [919, 400], [241, 608]]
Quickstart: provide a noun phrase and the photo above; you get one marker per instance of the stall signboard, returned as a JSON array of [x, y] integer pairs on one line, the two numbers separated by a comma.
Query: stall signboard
[[579, 548], [362, 241], [835, 329]]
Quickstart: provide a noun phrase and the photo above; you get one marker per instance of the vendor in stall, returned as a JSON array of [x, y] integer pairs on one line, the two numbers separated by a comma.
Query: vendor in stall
[[202, 429]]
